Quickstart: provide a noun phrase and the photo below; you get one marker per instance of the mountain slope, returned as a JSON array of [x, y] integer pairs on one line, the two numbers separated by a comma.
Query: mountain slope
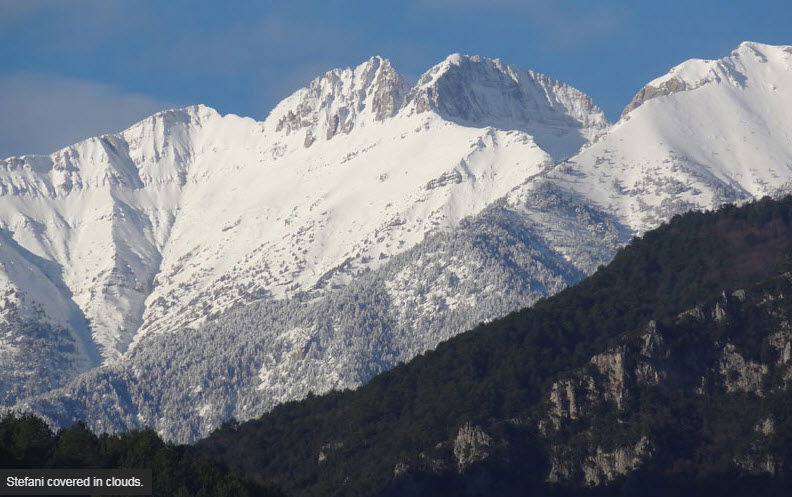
[[410, 420], [283, 350], [189, 213], [534, 225]]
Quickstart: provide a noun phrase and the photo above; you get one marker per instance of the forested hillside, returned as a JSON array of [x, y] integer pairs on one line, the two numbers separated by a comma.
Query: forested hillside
[[486, 397]]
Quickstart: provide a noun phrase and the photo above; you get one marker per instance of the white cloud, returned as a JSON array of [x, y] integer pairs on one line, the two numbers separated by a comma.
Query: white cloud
[[40, 114]]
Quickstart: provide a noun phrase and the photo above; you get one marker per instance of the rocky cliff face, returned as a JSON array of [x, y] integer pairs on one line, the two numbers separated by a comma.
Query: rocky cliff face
[[472, 444], [341, 100], [608, 391], [598, 423]]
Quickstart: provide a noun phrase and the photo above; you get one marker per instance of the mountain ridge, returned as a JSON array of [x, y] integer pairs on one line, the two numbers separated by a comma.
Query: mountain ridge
[[187, 213], [435, 197]]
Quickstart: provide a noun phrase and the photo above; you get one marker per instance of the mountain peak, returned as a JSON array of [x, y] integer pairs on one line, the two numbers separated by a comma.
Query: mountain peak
[[762, 48], [477, 91], [340, 100], [455, 58], [735, 69], [459, 59], [466, 89]]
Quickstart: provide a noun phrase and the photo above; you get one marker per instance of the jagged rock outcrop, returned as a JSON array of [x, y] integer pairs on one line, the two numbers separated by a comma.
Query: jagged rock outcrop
[[599, 466], [758, 464], [652, 364], [740, 374], [340, 100], [612, 376], [604, 467], [609, 379], [472, 444], [659, 89]]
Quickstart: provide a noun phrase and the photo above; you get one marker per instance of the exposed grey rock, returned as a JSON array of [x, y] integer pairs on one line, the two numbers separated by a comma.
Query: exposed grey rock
[[696, 313], [604, 467], [562, 467], [338, 101], [600, 466], [577, 402], [309, 139], [563, 404], [648, 92], [766, 427], [400, 469], [781, 341], [759, 464], [472, 444], [739, 374], [719, 313], [612, 368], [449, 177], [327, 450], [650, 368]]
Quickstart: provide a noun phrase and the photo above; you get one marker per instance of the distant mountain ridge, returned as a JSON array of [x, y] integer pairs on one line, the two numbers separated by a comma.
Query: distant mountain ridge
[[363, 221]]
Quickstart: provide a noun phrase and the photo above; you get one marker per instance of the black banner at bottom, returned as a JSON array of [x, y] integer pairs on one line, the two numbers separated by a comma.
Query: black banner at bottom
[[75, 481]]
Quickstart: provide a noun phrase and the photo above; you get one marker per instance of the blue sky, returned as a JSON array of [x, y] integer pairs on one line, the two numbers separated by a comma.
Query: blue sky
[[70, 69]]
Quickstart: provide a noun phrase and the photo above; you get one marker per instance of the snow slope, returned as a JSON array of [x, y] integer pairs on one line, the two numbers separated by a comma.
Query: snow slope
[[706, 133]]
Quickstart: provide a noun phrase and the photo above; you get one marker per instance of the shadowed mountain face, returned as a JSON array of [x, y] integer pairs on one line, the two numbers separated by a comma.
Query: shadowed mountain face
[[639, 374]]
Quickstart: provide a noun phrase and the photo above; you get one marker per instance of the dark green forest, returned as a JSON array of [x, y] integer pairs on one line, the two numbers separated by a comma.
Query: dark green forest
[[499, 370], [178, 471]]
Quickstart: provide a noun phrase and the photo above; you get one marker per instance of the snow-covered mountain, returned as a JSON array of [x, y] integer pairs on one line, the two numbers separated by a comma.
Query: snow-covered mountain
[[363, 221], [706, 133], [189, 213]]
